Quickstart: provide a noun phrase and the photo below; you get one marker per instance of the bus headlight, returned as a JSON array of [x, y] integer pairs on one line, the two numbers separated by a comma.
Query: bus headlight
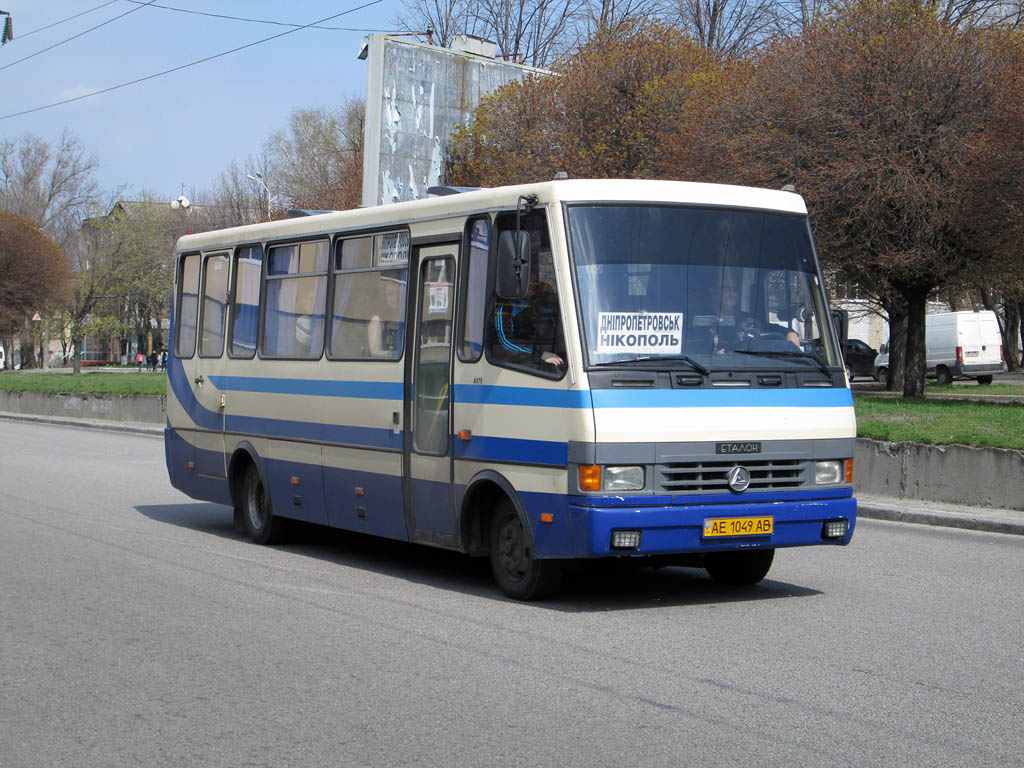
[[623, 478], [828, 472]]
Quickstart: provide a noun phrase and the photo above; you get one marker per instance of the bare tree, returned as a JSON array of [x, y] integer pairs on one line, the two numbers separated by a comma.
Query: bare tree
[[610, 16], [317, 161], [729, 28], [444, 18], [535, 32], [238, 195], [50, 184]]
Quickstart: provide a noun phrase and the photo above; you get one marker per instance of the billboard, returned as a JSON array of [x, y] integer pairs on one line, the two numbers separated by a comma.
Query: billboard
[[415, 95]]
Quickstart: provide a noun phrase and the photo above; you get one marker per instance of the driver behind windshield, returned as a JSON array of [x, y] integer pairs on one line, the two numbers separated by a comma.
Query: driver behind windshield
[[733, 326]]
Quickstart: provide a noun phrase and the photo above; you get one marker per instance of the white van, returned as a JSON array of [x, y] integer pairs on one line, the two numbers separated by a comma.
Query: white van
[[960, 345], [963, 345]]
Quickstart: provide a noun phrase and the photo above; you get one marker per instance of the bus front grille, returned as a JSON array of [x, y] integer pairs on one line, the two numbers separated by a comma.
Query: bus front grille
[[713, 476]]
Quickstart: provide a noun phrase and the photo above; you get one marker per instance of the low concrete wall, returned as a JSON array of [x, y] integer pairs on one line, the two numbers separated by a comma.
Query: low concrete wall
[[147, 409], [984, 477]]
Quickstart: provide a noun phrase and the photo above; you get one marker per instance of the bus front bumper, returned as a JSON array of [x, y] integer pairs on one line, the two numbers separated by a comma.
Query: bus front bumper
[[689, 528]]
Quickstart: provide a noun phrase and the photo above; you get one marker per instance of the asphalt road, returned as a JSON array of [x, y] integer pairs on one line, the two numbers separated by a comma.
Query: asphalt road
[[137, 628]]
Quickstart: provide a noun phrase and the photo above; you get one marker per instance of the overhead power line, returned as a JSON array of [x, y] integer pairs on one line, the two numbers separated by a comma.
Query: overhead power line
[[23, 35], [252, 21], [190, 64], [75, 37]]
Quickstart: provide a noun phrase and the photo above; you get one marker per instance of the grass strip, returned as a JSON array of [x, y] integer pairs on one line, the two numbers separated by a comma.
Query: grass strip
[[941, 422], [91, 382]]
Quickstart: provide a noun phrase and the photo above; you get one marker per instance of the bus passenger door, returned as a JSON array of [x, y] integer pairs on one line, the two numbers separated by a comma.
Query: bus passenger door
[[430, 511], [208, 365]]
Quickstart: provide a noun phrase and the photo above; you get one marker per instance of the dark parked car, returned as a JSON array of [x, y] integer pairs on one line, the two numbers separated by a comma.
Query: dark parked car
[[860, 359]]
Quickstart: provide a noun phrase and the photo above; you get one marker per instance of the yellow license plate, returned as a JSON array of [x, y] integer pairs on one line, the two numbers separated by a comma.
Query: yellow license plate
[[739, 526]]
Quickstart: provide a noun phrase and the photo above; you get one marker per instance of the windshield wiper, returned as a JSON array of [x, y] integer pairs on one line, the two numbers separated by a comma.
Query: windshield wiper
[[658, 358], [778, 353]]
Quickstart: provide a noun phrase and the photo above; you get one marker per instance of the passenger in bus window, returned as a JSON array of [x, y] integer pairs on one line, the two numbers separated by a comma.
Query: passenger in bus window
[[384, 334], [527, 331]]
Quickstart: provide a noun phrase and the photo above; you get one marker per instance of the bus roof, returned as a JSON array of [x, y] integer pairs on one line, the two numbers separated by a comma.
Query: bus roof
[[498, 198]]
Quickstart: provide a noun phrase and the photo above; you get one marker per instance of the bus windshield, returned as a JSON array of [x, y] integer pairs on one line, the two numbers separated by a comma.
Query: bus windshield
[[698, 287]]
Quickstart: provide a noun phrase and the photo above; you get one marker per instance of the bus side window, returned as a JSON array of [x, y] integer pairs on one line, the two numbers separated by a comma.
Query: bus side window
[[293, 323], [368, 316], [527, 333], [188, 307], [245, 301], [474, 292], [215, 297]]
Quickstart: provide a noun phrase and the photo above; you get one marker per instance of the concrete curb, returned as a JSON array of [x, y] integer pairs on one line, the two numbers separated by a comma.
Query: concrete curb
[[111, 426], [973, 520]]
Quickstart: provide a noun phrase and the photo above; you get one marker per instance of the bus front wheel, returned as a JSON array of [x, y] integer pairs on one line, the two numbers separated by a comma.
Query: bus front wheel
[[257, 513], [741, 568], [519, 574]]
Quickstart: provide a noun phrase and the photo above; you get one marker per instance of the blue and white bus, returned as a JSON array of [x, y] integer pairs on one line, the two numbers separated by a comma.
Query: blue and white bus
[[535, 374]]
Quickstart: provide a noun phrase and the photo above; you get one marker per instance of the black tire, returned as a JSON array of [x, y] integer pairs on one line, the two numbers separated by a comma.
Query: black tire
[[983, 380], [849, 373], [260, 523], [520, 575], [883, 376], [943, 376], [741, 568]]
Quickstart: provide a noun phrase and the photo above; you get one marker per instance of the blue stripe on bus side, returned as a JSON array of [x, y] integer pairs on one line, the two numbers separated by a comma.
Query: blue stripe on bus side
[[337, 434], [178, 379], [510, 449], [369, 390], [533, 396]]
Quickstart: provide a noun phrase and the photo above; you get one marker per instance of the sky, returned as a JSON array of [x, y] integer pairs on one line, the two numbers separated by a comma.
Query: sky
[[185, 127]]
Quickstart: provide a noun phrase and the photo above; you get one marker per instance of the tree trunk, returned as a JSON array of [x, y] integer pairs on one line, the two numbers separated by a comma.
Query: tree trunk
[[28, 354], [1011, 335], [1020, 312], [916, 357], [76, 359], [897, 349]]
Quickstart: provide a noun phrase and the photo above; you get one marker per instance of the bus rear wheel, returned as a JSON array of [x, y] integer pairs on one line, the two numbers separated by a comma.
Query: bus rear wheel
[[741, 568], [260, 523], [519, 574]]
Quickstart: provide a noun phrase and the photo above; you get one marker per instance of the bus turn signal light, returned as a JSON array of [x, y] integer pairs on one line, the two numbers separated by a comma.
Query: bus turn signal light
[[849, 470], [590, 477]]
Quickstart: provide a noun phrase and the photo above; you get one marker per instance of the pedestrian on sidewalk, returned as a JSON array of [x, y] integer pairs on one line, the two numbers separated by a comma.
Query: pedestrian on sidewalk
[[138, 360]]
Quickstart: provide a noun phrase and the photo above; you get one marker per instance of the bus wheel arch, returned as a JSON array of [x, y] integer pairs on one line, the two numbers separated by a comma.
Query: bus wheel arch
[[238, 465], [495, 524], [483, 495], [250, 497]]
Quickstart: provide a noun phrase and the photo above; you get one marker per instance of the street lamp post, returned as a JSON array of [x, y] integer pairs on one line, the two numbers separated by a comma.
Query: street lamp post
[[258, 178]]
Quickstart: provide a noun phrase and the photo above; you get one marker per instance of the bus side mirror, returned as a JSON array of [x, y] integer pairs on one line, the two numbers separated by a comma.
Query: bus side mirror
[[841, 322], [513, 264]]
